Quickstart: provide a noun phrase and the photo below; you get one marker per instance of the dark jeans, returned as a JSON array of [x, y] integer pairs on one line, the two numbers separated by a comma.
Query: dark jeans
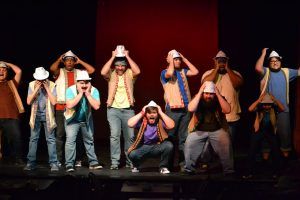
[[164, 150], [61, 138], [255, 144], [11, 130], [181, 118]]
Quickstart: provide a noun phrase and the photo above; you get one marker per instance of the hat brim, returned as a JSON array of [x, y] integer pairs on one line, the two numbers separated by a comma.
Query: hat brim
[[40, 77], [84, 79]]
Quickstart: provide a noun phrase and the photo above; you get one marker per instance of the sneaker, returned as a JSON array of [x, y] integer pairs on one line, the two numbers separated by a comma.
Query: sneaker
[[135, 170], [164, 170], [70, 169], [114, 167], [54, 168], [189, 171], [95, 166], [29, 167], [78, 163]]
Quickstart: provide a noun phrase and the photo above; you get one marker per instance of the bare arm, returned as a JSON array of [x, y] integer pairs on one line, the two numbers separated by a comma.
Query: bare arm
[[17, 70], [106, 68], [259, 68], [193, 71], [51, 97], [225, 106], [136, 118], [170, 70], [89, 68], [73, 102], [193, 105], [166, 119], [95, 103], [211, 77], [236, 80], [32, 96], [134, 67], [54, 68]]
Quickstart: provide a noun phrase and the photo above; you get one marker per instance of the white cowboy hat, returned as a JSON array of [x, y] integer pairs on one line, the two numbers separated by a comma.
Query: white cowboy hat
[[152, 104], [69, 54], [274, 54], [174, 54], [2, 64], [209, 87], [82, 75], [221, 54], [120, 51], [40, 74]]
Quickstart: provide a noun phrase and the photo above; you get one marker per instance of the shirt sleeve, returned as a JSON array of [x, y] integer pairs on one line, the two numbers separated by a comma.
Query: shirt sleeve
[[96, 94], [293, 73], [69, 94], [163, 78]]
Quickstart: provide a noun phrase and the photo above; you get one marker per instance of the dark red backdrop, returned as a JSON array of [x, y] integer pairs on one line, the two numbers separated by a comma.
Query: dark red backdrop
[[149, 29]]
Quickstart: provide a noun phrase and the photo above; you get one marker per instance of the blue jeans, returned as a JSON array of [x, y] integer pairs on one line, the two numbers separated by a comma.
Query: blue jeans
[[117, 119], [87, 130], [220, 143], [33, 142], [284, 131], [164, 150], [181, 118], [11, 130]]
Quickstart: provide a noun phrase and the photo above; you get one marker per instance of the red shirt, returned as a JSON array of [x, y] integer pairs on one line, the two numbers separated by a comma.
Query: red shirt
[[70, 81]]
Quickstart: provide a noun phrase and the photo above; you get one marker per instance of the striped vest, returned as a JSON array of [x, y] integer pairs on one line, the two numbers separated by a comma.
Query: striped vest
[[113, 84], [17, 98]]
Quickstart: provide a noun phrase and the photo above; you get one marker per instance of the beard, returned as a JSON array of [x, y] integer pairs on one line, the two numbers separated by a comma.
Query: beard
[[209, 104], [222, 70]]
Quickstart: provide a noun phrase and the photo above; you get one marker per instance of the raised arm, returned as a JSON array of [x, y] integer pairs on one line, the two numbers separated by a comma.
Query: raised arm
[[170, 70], [106, 68], [54, 68], [31, 97], [71, 103], [193, 71], [136, 118], [134, 67], [51, 97], [89, 68], [259, 66], [17, 70], [95, 103], [193, 105], [236, 79], [166, 119], [225, 106]]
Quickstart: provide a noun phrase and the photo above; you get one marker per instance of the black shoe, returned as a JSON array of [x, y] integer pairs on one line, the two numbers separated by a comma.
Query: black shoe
[[247, 176]]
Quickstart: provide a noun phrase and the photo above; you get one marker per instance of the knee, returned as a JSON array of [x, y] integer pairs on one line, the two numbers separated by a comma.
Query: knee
[[168, 146]]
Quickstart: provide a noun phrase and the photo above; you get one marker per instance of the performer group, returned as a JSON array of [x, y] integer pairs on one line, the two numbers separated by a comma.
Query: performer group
[[196, 127]]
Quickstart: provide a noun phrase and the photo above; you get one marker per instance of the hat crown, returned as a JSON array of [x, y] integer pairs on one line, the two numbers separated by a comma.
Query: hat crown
[[267, 99], [40, 73], [174, 54], [2, 64], [209, 87], [221, 54], [120, 51], [69, 54], [82, 75], [274, 54], [152, 104]]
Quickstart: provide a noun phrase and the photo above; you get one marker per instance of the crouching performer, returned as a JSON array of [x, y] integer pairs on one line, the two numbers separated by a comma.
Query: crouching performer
[[151, 138], [208, 123]]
